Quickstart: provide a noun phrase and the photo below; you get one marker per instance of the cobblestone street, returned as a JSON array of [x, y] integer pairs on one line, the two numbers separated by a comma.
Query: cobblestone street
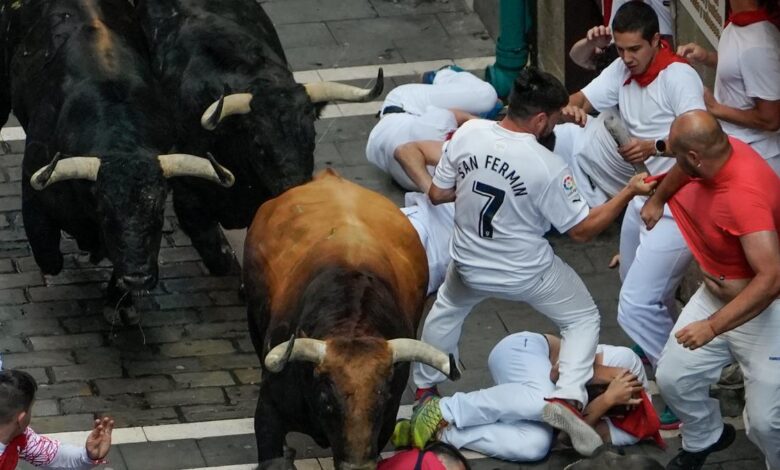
[[190, 365]]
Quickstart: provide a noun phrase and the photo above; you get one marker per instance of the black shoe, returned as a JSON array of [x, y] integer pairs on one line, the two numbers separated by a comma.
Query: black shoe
[[695, 460]]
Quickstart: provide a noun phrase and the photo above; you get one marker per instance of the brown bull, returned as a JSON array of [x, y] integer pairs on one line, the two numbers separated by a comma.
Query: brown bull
[[341, 271]]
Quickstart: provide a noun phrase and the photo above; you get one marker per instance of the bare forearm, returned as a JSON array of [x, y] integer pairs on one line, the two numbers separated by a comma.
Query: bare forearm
[[582, 53], [674, 180], [596, 409], [754, 299], [751, 118], [412, 160]]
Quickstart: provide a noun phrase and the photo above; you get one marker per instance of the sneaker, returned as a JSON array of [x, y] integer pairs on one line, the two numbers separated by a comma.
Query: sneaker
[[402, 434], [427, 77], [669, 420], [493, 113], [695, 460], [640, 352], [427, 420], [561, 415], [422, 393]]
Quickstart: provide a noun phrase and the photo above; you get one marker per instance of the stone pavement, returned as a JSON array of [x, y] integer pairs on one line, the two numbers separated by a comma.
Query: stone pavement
[[191, 360]]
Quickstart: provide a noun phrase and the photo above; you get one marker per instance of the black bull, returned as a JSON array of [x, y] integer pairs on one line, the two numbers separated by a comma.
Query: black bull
[[77, 75], [234, 95]]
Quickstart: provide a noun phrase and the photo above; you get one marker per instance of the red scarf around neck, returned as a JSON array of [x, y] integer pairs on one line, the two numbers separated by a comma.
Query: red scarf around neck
[[746, 18], [607, 12], [10, 457], [663, 58]]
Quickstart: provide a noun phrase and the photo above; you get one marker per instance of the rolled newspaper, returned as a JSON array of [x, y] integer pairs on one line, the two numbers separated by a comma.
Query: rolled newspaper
[[617, 129]]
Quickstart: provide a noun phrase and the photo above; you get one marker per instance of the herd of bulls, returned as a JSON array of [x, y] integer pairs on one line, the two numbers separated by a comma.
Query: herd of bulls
[[123, 102]]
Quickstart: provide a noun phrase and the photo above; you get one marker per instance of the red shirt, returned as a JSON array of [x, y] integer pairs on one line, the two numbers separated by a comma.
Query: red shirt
[[742, 198], [408, 460]]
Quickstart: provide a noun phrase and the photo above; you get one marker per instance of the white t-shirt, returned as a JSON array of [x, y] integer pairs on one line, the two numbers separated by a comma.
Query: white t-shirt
[[594, 151], [396, 129], [748, 68], [648, 111], [661, 8], [509, 191]]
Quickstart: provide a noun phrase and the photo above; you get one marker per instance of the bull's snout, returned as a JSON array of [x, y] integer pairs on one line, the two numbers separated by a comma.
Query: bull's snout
[[138, 280]]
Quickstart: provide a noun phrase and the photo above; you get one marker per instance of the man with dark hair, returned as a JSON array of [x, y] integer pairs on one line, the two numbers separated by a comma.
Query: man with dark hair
[[726, 201], [651, 86], [508, 190], [18, 441]]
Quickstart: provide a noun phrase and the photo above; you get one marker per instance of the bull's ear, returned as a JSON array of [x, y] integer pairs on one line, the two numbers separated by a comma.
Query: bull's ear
[[60, 169]]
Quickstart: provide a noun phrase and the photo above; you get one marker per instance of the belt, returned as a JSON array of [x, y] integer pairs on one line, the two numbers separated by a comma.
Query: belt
[[392, 110]]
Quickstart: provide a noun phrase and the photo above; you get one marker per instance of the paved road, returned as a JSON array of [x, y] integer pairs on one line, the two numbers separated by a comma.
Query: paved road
[[191, 361]]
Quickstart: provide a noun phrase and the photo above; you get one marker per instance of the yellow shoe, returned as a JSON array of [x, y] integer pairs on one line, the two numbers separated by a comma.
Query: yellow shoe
[[402, 436]]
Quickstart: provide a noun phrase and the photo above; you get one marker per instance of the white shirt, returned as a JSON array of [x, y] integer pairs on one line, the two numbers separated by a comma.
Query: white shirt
[[748, 68], [661, 8], [396, 129], [648, 111], [509, 191]]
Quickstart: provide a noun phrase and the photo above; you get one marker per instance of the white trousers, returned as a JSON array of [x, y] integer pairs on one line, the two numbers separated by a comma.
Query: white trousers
[[685, 376], [434, 225], [450, 90], [505, 421], [558, 293], [652, 264]]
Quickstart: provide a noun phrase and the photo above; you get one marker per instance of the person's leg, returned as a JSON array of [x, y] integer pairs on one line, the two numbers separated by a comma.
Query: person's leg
[[646, 306], [757, 349], [444, 323], [629, 236], [684, 376], [562, 297], [520, 441], [462, 90]]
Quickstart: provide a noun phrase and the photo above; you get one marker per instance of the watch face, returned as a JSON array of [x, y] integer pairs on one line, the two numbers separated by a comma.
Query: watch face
[[660, 146]]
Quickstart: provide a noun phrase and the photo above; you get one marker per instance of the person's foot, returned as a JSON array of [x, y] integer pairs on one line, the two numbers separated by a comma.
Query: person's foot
[[427, 77], [669, 420], [561, 415], [422, 393], [695, 460], [427, 420], [641, 353], [402, 434], [493, 113]]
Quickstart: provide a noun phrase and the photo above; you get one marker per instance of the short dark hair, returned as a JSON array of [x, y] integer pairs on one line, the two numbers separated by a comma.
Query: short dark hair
[[17, 392], [449, 451], [636, 16], [534, 92]]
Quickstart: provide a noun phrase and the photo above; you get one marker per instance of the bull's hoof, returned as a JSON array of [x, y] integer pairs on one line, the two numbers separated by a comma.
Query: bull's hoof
[[126, 315], [221, 262], [51, 265], [281, 463]]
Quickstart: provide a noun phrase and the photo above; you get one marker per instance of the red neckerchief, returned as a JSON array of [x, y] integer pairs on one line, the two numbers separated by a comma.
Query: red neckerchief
[[663, 58], [642, 422], [10, 457], [746, 18], [607, 12]]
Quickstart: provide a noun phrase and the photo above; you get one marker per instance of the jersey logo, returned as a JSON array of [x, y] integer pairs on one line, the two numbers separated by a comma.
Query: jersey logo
[[570, 188]]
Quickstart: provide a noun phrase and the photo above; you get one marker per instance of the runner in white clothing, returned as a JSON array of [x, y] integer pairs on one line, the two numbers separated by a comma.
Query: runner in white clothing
[[505, 420], [415, 112], [651, 86], [747, 78], [508, 190]]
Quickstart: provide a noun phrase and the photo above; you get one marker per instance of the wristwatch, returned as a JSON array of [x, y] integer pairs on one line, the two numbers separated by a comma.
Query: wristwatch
[[660, 147]]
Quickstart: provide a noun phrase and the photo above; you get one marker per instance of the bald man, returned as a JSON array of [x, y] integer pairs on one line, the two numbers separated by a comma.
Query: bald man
[[726, 201]]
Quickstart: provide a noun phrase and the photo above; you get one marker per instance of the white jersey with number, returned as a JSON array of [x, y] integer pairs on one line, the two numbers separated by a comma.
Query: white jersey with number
[[749, 68], [509, 191]]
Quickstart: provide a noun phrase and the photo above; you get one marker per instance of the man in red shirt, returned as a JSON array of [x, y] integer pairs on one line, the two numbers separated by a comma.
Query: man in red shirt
[[726, 201]]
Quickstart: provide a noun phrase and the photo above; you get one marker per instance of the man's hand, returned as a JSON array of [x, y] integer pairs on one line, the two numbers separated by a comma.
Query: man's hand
[[599, 37], [638, 187], [623, 389], [637, 151], [651, 213], [693, 52], [575, 114], [99, 440], [696, 334], [709, 100]]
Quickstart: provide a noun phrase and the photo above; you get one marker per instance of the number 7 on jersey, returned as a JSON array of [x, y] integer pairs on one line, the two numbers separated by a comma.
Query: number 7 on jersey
[[495, 199]]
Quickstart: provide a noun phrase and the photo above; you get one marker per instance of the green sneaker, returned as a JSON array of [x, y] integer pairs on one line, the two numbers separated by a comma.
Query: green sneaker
[[669, 420], [402, 434], [426, 422]]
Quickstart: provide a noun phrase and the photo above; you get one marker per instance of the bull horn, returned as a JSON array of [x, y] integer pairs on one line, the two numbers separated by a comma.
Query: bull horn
[[301, 349], [412, 350], [321, 92], [181, 164], [73, 168], [237, 103]]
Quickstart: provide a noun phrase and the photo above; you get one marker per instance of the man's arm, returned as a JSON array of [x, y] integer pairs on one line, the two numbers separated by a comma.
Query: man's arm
[[577, 110], [762, 250], [765, 115], [698, 55], [594, 42], [600, 217], [438, 195], [414, 157]]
